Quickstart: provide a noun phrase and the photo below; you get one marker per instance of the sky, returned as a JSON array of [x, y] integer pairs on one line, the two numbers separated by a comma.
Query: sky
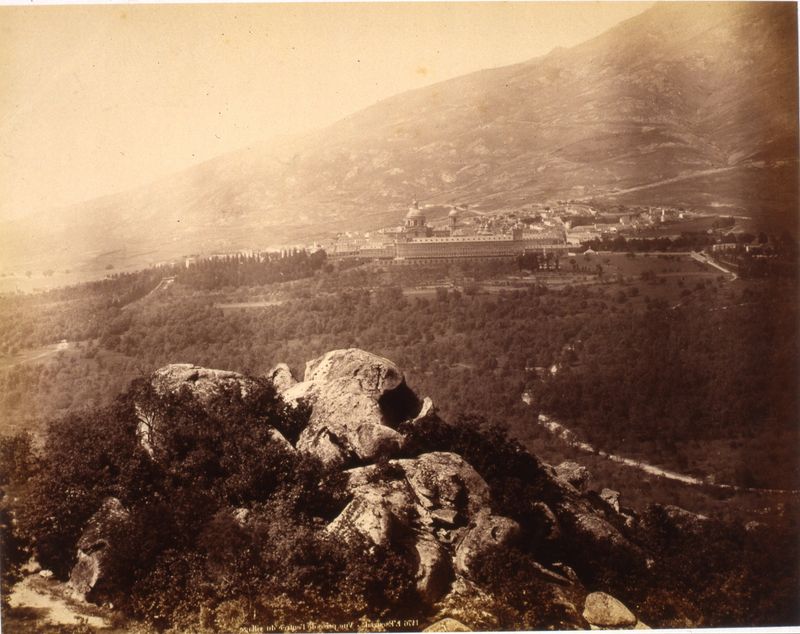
[[101, 99]]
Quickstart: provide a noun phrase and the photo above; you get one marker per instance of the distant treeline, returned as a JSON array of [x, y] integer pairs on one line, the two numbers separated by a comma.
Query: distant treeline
[[93, 309], [685, 242], [250, 270]]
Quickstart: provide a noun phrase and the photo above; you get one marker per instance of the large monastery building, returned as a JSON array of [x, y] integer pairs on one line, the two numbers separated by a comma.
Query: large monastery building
[[416, 241]]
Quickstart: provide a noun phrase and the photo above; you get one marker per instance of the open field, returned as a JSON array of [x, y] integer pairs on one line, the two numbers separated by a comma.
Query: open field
[[36, 354]]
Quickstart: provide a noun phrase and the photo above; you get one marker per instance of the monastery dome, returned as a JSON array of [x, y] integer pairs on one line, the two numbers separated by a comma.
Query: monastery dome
[[414, 211]]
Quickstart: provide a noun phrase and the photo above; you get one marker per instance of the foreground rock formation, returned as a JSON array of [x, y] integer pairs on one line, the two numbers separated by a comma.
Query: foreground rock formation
[[95, 545], [433, 506]]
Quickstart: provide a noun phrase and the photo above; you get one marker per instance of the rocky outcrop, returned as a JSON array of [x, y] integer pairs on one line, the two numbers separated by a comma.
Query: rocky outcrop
[[602, 611], [470, 605], [281, 377], [95, 546], [447, 625], [484, 533], [376, 513], [573, 473], [611, 497], [682, 520], [434, 508], [356, 399], [438, 503], [203, 384]]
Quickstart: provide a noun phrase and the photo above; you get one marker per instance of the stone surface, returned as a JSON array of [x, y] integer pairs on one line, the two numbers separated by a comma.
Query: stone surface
[[573, 473], [356, 399], [347, 426], [445, 480], [439, 505], [372, 374], [427, 409], [94, 546], [281, 377], [610, 497], [374, 513], [434, 570], [604, 611], [488, 531], [447, 625], [203, 383], [468, 604]]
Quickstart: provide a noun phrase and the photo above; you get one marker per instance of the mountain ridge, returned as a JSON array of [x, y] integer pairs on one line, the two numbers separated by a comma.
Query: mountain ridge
[[657, 101]]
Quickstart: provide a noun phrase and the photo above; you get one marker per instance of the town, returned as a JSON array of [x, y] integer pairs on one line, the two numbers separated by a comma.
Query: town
[[457, 232]]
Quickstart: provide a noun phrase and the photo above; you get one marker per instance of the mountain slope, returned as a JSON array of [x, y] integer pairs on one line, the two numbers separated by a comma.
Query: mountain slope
[[702, 96]]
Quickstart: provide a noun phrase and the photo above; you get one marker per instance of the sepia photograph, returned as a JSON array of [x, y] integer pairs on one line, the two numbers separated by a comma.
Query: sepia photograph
[[399, 317]]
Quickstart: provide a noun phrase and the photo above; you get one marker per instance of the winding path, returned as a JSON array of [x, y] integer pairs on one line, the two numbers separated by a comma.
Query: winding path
[[570, 438], [43, 596]]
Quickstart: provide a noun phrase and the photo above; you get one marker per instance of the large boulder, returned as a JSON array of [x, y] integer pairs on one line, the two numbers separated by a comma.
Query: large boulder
[[376, 513], [469, 605], [356, 400], [435, 504], [95, 547], [573, 473], [447, 625], [347, 426], [445, 480], [204, 384], [602, 611], [485, 533]]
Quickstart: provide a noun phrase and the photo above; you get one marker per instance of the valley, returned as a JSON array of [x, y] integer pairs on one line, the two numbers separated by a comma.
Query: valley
[[456, 325]]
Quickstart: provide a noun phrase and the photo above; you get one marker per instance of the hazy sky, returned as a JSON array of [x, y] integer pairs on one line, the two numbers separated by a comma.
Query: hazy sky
[[99, 99]]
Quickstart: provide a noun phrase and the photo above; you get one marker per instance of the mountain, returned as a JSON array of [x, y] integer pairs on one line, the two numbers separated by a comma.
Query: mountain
[[686, 104]]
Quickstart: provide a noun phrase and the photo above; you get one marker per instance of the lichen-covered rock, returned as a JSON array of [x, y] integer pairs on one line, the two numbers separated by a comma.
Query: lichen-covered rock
[[203, 383], [95, 546], [375, 375], [356, 400], [445, 480], [375, 512], [468, 604], [434, 570], [439, 503], [487, 532], [347, 426], [573, 473], [447, 625], [281, 377], [610, 497], [604, 611]]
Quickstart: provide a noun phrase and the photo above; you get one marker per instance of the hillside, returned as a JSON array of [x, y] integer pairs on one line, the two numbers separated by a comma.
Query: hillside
[[207, 500], [686, 104]]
